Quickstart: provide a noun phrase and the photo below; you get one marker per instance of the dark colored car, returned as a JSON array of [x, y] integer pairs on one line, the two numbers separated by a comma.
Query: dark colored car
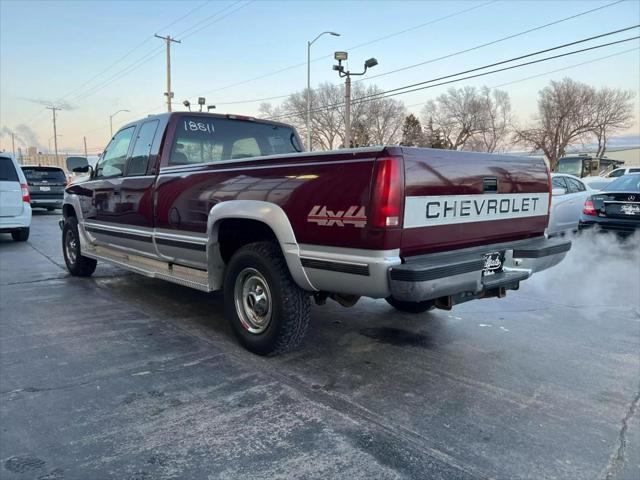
[[46, 186], [615, 208]]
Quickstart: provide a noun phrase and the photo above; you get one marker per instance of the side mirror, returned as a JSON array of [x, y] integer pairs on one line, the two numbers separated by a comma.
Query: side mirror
[[77, 164], [556, 192]]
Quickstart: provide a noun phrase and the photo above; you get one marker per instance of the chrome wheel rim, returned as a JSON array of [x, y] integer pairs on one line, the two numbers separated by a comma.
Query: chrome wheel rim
[[71, 246], [253, 301]]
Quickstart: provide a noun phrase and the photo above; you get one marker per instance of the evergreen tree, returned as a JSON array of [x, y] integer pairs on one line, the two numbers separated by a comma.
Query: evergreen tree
[[412, 134]]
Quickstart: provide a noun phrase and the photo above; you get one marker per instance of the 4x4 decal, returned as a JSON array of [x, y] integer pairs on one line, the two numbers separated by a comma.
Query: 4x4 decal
[[327, 218]]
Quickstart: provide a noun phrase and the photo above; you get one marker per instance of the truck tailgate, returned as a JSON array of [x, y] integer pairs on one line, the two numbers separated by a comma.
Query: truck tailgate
[[462, 199]]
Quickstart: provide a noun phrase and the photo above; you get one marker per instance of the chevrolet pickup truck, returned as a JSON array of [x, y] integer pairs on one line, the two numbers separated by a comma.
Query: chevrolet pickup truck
[[223, 202]]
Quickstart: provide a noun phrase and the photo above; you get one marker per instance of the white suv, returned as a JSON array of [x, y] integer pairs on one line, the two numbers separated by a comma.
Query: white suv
[[15, 210]]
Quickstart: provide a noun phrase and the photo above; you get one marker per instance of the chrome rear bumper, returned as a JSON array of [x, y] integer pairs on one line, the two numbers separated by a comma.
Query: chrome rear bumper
[[459, 274]]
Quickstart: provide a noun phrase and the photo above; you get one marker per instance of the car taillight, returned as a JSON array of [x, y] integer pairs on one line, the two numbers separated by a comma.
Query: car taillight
[[387, 195], [589, 209], [25, 193]]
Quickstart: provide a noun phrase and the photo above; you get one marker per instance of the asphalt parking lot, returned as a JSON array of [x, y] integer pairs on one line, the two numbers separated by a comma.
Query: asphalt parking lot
[[120, 376]]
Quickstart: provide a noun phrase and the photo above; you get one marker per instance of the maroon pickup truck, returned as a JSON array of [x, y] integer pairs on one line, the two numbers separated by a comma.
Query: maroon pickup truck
[[227, 202]]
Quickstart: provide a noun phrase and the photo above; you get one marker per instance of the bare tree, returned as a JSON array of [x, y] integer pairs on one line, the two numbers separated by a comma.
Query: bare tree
[[566, 111], [457, 114], [384, 117], [614, 112], [374, 120], [496, 121]]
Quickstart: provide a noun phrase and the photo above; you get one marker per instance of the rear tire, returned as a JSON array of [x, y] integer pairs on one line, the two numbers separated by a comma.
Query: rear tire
[[77, 264], [21, 235], [268, 312], [411, 307]]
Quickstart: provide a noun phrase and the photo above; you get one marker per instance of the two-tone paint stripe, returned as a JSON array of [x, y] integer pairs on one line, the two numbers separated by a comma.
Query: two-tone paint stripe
[[169, 240]]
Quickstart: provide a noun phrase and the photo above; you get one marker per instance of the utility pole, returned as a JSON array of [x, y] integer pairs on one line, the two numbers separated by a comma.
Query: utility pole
[[13, 144], [168, 93], [85, 147], [55, 133]]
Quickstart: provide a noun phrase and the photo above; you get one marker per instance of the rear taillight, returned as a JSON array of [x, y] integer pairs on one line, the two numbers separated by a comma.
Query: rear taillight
[[589, 209], [25, 193], [387, 193]]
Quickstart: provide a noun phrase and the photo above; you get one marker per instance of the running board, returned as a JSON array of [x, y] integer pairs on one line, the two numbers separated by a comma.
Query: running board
[[185, 276]]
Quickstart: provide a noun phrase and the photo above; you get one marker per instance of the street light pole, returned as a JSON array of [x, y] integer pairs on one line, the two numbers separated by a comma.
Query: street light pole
[[308, 121], [340, 56], [347, 112], [111, 119]]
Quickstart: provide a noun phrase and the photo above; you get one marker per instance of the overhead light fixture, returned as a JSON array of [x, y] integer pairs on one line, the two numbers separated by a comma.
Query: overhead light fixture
[[340, 56]]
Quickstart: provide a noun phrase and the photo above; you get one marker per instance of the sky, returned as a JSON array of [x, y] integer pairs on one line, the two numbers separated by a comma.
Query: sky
[[94, 58]]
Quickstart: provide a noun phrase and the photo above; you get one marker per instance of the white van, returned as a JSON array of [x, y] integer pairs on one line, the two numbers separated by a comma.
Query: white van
[[15, 210]]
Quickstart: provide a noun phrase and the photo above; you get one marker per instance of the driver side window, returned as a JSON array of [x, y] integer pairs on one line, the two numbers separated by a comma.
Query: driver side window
[[115, 155]]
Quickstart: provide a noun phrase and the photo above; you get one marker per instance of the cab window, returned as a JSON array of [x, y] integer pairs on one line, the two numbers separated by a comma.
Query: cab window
[[139, 160], [201, 139], [617, 173], [112, 162]]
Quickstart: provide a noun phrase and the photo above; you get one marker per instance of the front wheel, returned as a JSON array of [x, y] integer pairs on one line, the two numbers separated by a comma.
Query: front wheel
[[268, 312], [411, 307], [77, 264]]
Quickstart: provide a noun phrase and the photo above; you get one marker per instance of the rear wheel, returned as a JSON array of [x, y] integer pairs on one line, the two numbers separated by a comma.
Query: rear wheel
[[77, 264], [411, 307], [20, 235], [268, 312]]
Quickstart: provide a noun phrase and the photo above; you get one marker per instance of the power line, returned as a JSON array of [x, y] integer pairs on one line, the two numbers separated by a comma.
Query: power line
[[126, 55], [549, 72], [493, 42], [384, 37], [520, 57], [566, 68], [150, 55], [135, 49], [206, 25], [433, 60], [395, 92]]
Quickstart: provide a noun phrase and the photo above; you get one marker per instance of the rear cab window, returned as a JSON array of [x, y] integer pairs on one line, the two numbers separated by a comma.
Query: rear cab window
[[7, 170], [139, 161], [44, 174], [200, 139]]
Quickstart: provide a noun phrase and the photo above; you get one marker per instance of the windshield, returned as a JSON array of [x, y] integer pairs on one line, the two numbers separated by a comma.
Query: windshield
[[572, 166], [39, 174], [628, 183], [212, 139]]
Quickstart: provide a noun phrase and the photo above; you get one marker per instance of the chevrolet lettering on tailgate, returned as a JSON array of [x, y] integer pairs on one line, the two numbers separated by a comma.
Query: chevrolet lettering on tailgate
[[441, 210]]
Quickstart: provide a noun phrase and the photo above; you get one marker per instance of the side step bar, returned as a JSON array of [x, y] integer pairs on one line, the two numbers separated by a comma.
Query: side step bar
[[185, 276]]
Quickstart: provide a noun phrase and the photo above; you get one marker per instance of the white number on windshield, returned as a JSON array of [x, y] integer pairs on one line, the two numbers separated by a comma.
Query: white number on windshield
[[191, 126]]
